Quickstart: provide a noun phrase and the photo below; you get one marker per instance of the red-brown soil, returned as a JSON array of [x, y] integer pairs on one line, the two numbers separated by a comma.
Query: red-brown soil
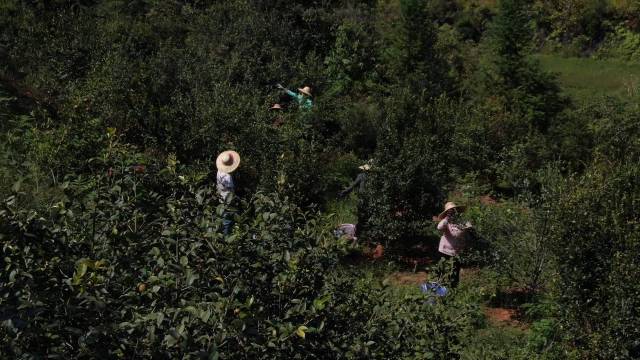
[[487, 200], [503, 317]]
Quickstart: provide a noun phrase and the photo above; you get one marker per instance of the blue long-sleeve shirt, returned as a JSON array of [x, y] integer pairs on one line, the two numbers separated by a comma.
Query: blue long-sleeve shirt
[[303, 101], [360, 181]]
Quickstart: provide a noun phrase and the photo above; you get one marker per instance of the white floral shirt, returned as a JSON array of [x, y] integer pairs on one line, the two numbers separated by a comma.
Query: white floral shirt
[[452, 241], [224, 186]]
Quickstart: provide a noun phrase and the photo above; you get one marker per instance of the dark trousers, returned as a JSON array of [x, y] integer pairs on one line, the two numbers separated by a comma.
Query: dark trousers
[[363, 217], [454, 276], [227, 222]]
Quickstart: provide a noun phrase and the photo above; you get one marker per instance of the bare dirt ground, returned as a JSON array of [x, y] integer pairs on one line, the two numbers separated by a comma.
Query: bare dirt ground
[[503, 317], [496, 315]]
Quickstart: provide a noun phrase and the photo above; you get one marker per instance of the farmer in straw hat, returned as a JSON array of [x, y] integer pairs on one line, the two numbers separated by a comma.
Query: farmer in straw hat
[[453, 237], [278, 120], [303, 96], [359, 181], [226, 163], [360, 184]]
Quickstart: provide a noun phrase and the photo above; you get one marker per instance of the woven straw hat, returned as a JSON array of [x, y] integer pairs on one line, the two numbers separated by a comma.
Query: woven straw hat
[[228, 161], [276, 107], [448, 206], [367, 165], [306, 90]]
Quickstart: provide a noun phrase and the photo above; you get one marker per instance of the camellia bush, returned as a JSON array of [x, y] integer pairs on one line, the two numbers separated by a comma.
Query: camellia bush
[[413, 165], [130, 262], [596, 241]]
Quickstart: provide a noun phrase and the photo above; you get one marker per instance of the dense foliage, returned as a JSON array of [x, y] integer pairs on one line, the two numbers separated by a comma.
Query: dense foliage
[[112, 114]]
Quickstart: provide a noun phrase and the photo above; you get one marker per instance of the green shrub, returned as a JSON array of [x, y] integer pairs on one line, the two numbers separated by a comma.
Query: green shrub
[[410, 169], [351, 62], [129, 265], [512, 81], [418, 330], [622, 43], [518, 243], [595, 239]]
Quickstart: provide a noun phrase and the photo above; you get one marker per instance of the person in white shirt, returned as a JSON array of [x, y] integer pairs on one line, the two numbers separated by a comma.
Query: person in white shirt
[[453, 239], [226, 163]]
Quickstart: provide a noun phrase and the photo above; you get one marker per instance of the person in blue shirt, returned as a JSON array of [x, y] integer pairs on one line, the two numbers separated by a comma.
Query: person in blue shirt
[[359, 182], [303, 97], [363, 207]]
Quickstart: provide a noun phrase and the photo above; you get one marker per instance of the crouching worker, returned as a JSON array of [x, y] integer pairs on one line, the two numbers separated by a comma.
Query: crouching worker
[[226, 163], [453, 239], [278, 118]]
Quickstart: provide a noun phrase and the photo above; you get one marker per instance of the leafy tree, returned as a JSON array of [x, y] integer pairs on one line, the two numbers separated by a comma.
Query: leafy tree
[[531, 95], [408, 48], [351, 63], [596, 239], [410, 169]]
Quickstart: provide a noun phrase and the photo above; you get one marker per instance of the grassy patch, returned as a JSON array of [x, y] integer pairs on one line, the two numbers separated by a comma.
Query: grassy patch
[[496, 343], [344, 210], [584, 79]]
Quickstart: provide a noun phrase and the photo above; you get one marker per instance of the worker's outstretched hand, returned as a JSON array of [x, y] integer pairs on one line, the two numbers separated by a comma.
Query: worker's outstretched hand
[[279, 86]]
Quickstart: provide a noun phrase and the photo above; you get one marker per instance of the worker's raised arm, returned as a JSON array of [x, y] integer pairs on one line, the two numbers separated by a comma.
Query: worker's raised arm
[[291, 93], [353, 185], [348, 190], [443, 225]]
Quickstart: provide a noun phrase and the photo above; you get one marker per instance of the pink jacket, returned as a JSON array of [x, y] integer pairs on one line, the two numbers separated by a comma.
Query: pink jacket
[[452, 241]]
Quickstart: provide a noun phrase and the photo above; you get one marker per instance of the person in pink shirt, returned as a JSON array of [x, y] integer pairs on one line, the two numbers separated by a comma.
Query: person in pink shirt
[[452, 241]]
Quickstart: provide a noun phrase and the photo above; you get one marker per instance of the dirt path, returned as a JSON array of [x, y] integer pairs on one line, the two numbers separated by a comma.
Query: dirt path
[[504, 317], [496, 316]]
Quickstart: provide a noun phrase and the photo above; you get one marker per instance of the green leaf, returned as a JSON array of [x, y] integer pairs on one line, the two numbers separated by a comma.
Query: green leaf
[[205, 315], [16, 186], [215, 355], [301, 331], [12, 275], [81, 269], [191, 277], [321, 302]]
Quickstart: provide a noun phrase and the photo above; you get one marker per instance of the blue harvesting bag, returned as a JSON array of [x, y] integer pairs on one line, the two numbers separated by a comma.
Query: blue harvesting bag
[[433, 289]]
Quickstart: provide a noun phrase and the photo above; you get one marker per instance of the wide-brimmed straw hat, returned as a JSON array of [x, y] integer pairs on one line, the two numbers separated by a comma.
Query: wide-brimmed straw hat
[[276, 107], [367, 165], [228, 161], [448, 206], [306, 90]]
